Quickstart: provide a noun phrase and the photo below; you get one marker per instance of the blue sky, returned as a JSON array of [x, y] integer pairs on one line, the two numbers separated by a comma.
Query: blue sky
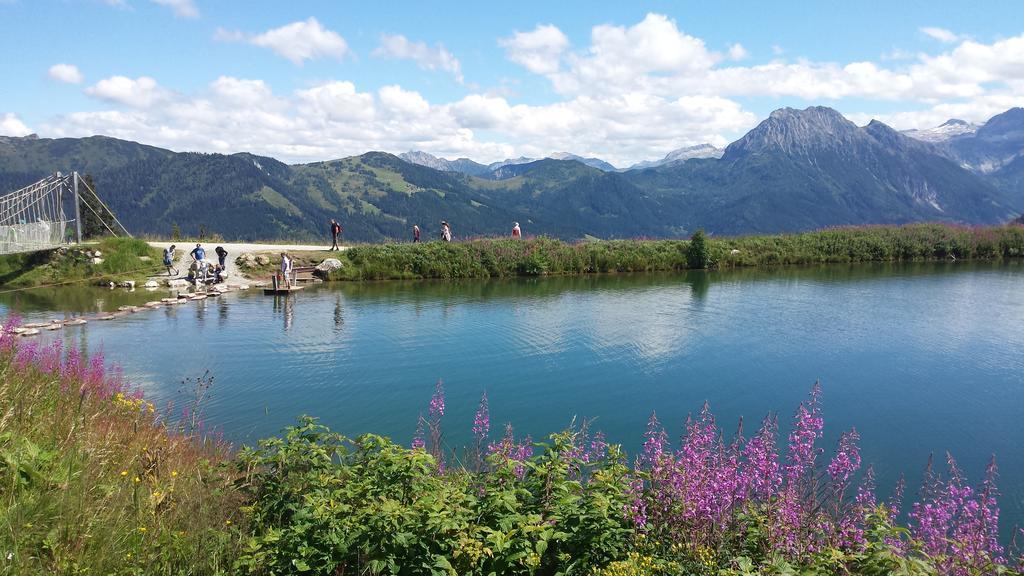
[[625, 81]]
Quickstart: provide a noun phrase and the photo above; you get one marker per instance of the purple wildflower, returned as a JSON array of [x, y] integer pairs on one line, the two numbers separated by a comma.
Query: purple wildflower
[[417, 440], [437, 402], [761, 473], [482, 420]]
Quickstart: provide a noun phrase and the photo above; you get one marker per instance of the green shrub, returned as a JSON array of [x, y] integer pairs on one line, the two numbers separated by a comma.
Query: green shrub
[[698, 256]]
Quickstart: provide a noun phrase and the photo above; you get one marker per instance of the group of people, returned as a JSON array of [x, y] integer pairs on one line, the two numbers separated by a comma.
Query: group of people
[[200, 270], [445, 234], [446, 231]]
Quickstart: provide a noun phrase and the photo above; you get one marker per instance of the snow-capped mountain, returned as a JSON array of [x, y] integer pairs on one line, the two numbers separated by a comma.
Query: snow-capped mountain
[[945, 132]]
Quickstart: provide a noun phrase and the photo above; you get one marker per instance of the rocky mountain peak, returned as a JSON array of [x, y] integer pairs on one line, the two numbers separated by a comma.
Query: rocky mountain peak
[[797, 132]]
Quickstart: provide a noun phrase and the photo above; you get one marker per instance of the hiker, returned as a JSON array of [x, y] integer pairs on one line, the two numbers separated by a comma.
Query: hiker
[[516, 232], [286, 268], [446, 231], [335, 231], [169, 260], [222, 256], [415, 233], [198, 253]]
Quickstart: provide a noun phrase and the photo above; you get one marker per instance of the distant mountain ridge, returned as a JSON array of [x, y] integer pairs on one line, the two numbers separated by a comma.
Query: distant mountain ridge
[[682, 155], [796, 170]]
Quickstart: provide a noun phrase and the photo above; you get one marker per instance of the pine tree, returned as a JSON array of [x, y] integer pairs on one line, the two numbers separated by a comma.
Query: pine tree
[[95, 217]]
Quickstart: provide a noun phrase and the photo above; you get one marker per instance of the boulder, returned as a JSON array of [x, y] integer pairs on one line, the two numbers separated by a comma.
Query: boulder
[[96, 260], [130, 284], [329, 265], [263, 259], [177, 283], [151, 284]]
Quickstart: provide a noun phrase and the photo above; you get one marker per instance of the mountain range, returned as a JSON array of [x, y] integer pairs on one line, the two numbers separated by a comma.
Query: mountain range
[[796, 170]]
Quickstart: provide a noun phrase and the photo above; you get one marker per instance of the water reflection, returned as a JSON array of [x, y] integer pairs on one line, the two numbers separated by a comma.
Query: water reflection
[[920, 358]]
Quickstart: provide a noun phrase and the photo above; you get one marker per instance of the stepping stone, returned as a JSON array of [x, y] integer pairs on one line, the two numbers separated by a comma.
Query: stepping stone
[[107, 317], [75, 322], [29, 332]]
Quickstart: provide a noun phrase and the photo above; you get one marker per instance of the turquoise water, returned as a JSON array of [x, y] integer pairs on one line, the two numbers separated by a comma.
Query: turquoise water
[[920, 359]]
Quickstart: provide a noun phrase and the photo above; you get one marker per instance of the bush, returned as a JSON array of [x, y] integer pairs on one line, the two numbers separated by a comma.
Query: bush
[[698, 256]]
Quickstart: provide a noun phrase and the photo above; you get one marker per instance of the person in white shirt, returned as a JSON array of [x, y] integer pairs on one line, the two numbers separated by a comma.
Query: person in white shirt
[[286, 268]]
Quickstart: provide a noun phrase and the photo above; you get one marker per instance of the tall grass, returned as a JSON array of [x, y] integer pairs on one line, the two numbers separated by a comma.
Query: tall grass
[[92, 479], [541, 256]]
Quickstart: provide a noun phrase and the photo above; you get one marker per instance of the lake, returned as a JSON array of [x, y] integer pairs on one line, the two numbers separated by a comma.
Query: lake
[[920, 358]]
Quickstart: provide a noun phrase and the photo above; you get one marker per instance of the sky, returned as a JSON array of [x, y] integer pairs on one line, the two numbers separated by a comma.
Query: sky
[[317, 80]]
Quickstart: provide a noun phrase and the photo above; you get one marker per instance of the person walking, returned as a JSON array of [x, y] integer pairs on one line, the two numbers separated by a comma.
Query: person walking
[[335, 231], [446, 231], [516, 232], [415, 233], [222, 256], [198, 253], [169, 260]]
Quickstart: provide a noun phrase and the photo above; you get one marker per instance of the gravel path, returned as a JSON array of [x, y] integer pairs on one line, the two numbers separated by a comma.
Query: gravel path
[[234, 251]]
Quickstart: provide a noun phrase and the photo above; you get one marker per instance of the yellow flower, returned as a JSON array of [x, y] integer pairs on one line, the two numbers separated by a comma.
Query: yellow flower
[[137, 480], [142, 529], [228, 522], [174, 473], [124, 472]]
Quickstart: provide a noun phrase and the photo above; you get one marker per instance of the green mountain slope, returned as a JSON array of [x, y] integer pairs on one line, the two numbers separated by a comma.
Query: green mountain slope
[[797, 170]]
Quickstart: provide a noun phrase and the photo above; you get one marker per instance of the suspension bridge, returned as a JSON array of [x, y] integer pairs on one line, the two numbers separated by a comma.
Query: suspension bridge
[[33, 218]]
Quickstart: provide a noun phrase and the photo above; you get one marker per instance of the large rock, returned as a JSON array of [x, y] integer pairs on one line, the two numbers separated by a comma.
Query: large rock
[[329, 265], [263, 259], [177, 282], [151, 284]]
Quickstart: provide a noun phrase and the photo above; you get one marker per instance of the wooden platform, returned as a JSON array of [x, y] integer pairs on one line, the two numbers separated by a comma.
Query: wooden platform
[[281, 290]]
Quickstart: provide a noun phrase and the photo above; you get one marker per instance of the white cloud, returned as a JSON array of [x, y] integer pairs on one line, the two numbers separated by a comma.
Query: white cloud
[[940, 34], [181, 8], [396, 46], [297, 42], [10, 125], [67, 73], [538, 51], [140, 92], [633, 93], [738, 52]]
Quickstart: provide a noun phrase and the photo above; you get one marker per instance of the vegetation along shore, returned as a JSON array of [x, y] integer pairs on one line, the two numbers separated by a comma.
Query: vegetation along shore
[[484, 258], [96, 480], [128, 259]]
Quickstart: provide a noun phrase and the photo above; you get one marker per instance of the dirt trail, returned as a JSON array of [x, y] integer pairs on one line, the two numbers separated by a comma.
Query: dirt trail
[[235, 249]]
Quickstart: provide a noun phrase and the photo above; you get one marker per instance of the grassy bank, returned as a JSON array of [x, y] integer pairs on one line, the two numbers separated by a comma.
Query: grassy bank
[[94, 481], [542, 256], [122, 259]]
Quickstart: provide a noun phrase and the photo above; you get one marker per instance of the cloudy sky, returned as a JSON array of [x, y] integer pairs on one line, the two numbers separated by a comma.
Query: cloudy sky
[[623, 81]]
